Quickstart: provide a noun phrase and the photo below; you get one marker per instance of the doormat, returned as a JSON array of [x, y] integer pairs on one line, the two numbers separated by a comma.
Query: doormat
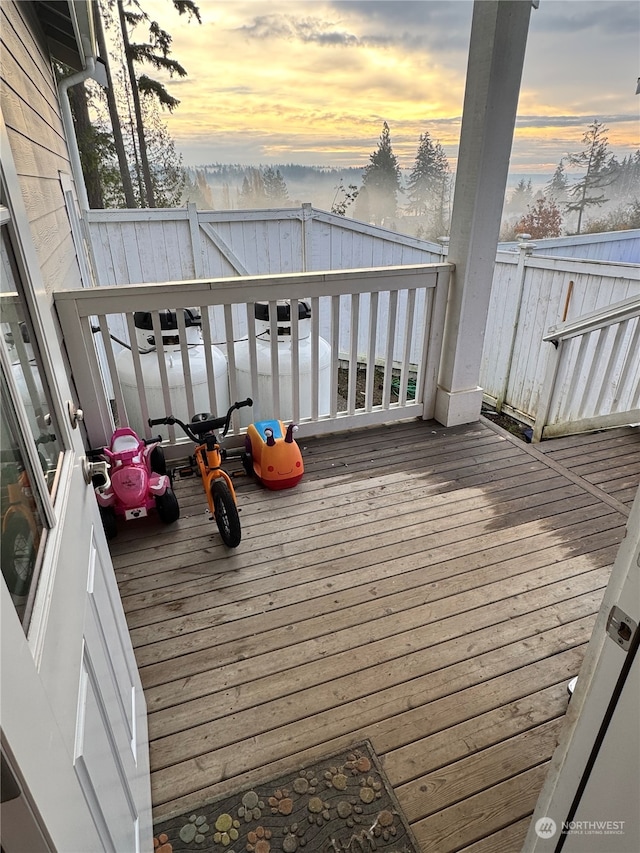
[[341, 804]]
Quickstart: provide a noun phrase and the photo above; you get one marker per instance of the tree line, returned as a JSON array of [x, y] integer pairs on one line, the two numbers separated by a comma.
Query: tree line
[[420, 202], [129, 158]]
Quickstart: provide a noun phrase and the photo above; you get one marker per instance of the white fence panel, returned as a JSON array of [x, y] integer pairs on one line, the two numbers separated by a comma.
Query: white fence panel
[[134, 246]]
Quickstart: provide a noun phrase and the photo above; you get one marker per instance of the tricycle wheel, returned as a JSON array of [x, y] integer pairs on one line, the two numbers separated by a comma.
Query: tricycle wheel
[[108, 516], [168, 507], [157, 461], [247, 463], [226, 513]]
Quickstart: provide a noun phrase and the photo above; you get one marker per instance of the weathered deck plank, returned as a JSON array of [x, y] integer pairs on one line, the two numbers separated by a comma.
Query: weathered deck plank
[[430, 589]]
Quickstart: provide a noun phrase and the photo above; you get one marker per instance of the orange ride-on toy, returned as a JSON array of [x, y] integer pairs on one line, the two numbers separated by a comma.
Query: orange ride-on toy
[[272, 454]]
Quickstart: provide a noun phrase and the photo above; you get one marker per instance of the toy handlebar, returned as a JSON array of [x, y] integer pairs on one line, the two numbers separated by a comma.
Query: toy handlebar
[[196, 429]]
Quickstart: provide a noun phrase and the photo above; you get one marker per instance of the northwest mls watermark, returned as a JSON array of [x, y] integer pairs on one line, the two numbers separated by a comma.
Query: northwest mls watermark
[[546, 827]]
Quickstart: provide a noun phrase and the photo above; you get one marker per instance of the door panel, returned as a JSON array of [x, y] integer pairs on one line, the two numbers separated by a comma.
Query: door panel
[[72, 707]]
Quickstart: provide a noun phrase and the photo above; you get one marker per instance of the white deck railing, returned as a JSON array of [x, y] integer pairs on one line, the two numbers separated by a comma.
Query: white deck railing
[[593, 373], [530, 295], [355, 316]]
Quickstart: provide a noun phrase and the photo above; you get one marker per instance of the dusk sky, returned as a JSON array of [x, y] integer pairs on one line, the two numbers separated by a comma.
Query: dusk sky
[[312, 81]]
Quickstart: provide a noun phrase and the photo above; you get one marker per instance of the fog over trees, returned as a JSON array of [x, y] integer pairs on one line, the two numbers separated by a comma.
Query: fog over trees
[[416, 199]]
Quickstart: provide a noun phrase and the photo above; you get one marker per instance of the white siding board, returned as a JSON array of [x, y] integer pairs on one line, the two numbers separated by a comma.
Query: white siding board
[[35, 135]]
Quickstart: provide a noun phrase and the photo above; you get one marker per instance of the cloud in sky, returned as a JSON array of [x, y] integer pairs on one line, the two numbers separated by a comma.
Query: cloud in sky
[[311, 82]]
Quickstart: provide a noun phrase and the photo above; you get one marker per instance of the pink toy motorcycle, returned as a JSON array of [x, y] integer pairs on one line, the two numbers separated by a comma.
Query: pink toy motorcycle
[[137, 482]]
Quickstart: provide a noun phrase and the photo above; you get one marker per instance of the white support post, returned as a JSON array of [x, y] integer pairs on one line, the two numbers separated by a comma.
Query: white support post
[[526, 249], [548, 388], [496, 56]]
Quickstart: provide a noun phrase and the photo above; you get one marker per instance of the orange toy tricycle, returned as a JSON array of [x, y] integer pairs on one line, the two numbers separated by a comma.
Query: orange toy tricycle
[[272, 454]]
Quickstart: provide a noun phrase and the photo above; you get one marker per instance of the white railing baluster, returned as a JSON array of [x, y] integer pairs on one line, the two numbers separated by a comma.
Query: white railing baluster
[[631, 365], [315, 356], [354, 332], [295, 361], [231, 361], [164, 377], [577, 383], [138, 373], [186, 363], [592, 380], [406, 354], [207, 344], [607, 377], [253, 361], [111, 361], [335, 355], [371, 354], [391, 342], [275, 360]]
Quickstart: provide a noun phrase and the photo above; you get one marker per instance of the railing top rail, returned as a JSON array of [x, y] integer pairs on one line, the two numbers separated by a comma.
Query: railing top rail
[[588, 266], [572, 266], [616, 313], [242, 289]]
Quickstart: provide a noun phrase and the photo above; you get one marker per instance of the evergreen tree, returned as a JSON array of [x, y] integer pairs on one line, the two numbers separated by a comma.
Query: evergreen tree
[[595, 159], [116, 128], [625, 185], [425, 181], [521, 197], [252, 193], [197, 190], [557, 187], [156, 53], [362, 209], [381, 179], [275, 188]]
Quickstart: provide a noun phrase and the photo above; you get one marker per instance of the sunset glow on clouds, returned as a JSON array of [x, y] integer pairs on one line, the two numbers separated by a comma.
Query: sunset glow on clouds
[[311, 82]]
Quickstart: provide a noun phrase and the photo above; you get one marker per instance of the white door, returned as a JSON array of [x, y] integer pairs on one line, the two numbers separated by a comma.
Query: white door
[[74, 730], [589, 803]]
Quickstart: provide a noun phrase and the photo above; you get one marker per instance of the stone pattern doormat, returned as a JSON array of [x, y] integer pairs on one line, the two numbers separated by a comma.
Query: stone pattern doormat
[[342, 804]]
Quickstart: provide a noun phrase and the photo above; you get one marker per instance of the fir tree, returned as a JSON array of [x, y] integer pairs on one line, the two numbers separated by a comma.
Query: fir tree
[[154, 52], [557, 187], [381, 179], [595, 159], [275, 188], [428, 186]]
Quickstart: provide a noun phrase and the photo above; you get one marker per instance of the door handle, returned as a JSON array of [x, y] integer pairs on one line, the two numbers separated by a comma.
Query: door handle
[[75, 414], [99, 470]]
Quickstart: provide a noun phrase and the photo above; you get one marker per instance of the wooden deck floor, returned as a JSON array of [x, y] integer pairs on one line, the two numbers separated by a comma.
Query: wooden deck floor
[[429, 589]]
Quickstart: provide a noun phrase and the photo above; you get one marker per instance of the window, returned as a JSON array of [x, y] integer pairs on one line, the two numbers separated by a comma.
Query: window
[[30, 448]]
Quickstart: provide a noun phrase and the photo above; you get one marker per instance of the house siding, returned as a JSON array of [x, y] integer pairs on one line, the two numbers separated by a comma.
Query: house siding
[[31, 113]]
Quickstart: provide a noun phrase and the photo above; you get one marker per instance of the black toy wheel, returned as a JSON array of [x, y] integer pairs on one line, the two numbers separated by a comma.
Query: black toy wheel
[[157, 461], [226, 514], [108, 516], [18, 555], [168, 507], [247, 464]]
